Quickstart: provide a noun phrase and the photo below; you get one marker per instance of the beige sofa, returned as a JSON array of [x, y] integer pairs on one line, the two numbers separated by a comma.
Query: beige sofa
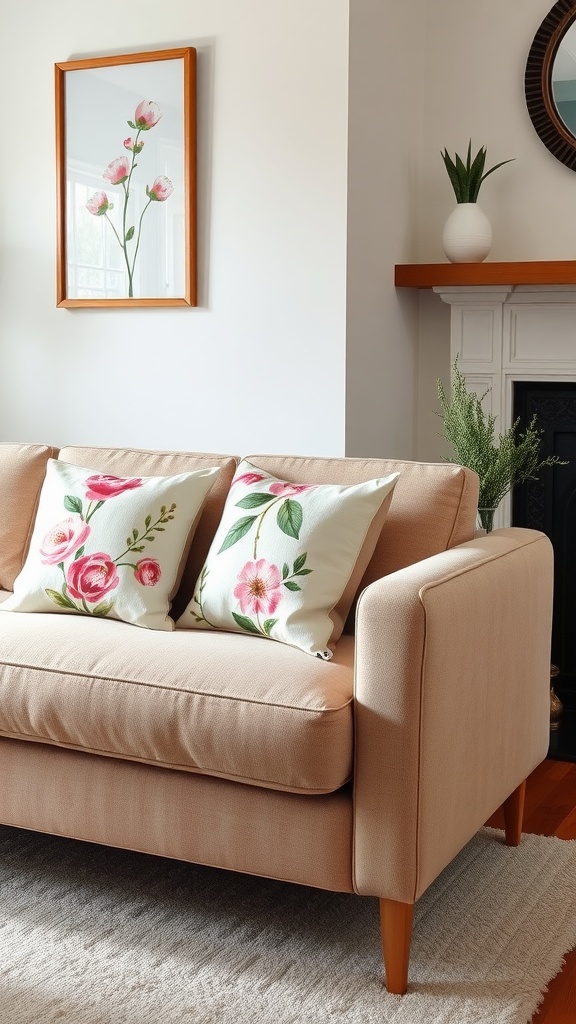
[[366, 773]]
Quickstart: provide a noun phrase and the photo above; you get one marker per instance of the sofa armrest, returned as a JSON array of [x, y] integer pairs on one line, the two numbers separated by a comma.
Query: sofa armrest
[[452, 683]]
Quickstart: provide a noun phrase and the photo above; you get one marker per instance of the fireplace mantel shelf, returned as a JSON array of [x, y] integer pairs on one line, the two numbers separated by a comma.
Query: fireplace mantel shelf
[[454, 275]]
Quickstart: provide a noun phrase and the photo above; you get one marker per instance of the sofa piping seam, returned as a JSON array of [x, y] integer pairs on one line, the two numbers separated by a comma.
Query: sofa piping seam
[[171, 689]]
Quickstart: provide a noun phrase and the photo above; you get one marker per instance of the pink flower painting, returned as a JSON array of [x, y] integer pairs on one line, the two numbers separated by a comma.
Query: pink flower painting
[[161, 190], [119, 172], [98, 204], [146, 116], [131, 144]]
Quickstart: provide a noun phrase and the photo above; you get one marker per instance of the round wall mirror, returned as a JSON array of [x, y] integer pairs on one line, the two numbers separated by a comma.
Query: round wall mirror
[[550, 82]]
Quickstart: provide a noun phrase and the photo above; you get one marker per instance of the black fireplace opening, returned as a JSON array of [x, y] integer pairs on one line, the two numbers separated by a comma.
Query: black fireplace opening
[[549, 504]]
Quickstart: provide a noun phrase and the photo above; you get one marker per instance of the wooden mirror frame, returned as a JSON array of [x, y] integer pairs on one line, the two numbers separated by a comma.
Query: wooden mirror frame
[[538, 83]]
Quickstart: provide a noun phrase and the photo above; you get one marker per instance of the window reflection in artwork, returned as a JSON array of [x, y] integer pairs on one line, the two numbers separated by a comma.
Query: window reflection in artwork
[[94, 264]]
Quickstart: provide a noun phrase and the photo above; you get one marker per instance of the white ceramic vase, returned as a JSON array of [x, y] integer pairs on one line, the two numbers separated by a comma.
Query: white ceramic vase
[[467, 234]]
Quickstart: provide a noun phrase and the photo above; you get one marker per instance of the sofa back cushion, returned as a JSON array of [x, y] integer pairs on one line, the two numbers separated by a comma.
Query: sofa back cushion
[[433, 507], [22, 471], [140, 462]]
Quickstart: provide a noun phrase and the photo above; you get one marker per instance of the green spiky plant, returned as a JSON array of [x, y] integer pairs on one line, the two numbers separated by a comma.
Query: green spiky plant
[[466, 178], [500, 462]]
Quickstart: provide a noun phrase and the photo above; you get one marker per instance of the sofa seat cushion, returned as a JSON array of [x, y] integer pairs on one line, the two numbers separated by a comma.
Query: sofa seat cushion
[[222, 704]]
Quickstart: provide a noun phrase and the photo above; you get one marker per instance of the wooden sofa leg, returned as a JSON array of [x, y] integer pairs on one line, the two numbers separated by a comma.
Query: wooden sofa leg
[[513, 814], [396, 924]]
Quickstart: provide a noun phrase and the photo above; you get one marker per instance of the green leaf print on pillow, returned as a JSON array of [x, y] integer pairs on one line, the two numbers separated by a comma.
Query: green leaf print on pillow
[[259, 583], [289, 516]]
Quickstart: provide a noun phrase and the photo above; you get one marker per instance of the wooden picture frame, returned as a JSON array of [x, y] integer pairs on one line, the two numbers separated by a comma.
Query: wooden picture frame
[[126, 180]]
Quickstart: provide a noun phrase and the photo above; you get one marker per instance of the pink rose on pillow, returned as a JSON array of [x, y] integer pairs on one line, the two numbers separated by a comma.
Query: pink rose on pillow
[[248, 478], [287, 490], [90, 577], [258, 587], [147, 572], [100, 487], [63, 540]]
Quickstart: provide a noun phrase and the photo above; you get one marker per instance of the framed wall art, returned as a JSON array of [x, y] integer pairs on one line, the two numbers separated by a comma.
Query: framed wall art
[[126, 180]]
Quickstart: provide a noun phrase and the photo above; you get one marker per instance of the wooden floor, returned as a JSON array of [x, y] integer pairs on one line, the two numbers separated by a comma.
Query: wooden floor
[[551, 811]]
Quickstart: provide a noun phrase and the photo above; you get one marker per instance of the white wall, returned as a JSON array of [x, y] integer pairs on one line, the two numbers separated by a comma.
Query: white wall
[[319, 169], [476, 57], [261, 363], [383, 167]]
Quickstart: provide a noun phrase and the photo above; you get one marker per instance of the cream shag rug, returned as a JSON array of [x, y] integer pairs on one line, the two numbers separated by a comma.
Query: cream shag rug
[[96, 936]]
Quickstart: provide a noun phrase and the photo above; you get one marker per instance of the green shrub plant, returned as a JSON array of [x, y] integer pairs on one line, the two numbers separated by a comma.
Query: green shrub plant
[[500, 461]]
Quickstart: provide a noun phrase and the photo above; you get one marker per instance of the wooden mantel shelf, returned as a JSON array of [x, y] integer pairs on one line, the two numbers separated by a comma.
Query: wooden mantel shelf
[[434, 275]]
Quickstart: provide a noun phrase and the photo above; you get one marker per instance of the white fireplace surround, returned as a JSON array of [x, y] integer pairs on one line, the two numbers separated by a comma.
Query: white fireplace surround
[[507, 333]]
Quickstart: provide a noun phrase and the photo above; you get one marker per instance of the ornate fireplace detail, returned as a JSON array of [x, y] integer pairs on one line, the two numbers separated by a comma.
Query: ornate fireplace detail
[[520, 343]]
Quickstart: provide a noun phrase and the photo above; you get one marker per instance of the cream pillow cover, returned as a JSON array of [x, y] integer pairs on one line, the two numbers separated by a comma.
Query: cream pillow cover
[[287, 558], [108, 545]]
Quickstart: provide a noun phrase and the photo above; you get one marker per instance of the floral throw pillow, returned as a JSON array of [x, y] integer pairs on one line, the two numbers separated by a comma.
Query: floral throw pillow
[[287, 558], [109, 546]]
